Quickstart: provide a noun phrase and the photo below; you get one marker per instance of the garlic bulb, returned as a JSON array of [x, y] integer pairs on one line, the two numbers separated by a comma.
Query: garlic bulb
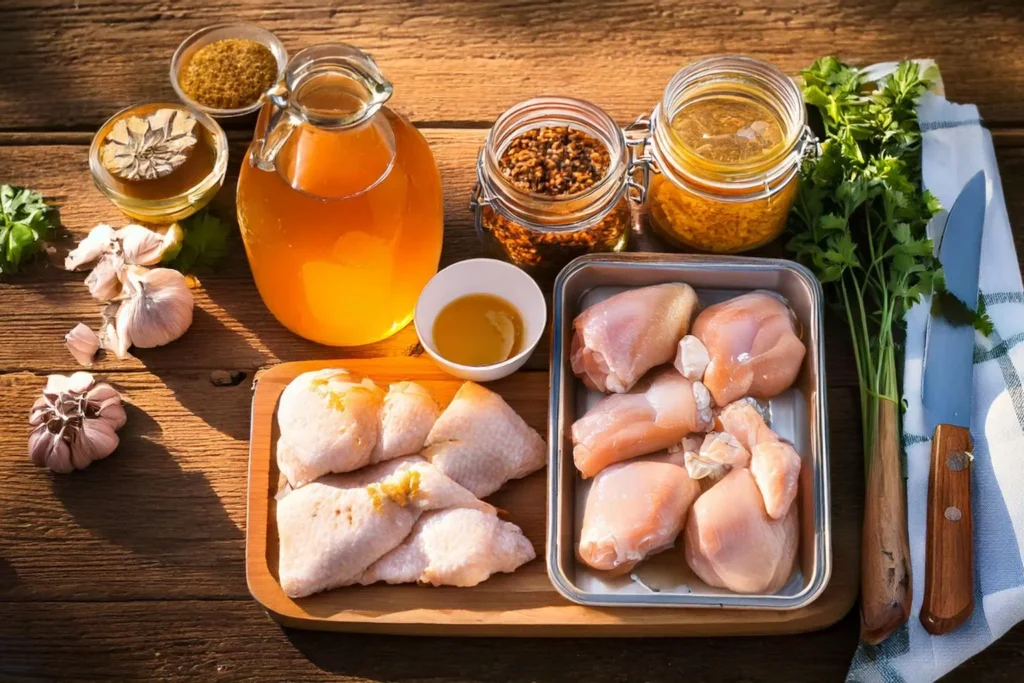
[[109, 251], [82, 343], [155, 309], [76, 422]]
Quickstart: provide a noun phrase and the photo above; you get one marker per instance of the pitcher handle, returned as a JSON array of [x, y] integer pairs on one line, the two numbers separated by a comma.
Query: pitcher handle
[[280, 127]]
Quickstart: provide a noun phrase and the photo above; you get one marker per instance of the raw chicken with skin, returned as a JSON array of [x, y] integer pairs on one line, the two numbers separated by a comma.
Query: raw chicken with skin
[[481, 443], [408, 413], [635, 509], [655, 415], [333, 529], [731, 542], [774, 463], [619, 339], [329, 422], [753, 344], [454, 547]]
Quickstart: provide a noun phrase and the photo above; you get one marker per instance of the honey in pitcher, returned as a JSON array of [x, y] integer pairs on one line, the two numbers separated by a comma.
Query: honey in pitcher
[[342, 219]]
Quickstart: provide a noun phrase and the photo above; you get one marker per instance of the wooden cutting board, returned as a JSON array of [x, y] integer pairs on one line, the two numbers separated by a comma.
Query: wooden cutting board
[[523, 603]]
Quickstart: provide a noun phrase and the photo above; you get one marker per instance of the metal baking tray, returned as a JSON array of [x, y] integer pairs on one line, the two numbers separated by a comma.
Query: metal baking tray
[[798, 415]]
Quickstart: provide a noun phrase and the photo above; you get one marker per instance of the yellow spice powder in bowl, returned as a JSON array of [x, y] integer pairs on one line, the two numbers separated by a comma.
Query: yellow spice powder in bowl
[[225, 70]]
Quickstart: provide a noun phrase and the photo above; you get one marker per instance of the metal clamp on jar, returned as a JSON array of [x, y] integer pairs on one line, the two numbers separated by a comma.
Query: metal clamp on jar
[[725, 145], [554, 181]]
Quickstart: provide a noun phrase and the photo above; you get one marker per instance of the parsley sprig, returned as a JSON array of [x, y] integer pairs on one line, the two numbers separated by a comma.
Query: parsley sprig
[[861, 214], [25, 223]]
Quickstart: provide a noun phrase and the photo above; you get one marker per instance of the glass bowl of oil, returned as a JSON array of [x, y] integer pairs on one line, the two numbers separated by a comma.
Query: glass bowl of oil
[[176, 195]]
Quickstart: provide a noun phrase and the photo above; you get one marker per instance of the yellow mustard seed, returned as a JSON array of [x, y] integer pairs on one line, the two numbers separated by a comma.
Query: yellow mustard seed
[[229, 73]]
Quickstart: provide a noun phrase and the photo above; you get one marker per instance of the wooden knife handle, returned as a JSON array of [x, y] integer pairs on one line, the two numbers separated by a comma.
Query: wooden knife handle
[[949, 557], [885, 586]]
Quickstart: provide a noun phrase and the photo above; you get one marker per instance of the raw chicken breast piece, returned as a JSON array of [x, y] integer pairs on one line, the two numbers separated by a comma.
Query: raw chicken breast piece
[[655, 415], [332, 529], [619, 339], [481, 442], [408, 413], [635, 509], [774, 463], [454, 547], [329, 422], [753, 344], [731, 542]]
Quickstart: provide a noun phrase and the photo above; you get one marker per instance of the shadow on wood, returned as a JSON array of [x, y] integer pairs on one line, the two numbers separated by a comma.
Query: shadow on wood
[[139, 498]]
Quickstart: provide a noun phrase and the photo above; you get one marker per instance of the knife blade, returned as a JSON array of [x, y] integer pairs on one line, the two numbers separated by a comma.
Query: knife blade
[[948, 388]]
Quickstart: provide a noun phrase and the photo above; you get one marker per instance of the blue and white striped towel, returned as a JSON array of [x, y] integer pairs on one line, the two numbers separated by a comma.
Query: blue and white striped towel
[[955, 146]]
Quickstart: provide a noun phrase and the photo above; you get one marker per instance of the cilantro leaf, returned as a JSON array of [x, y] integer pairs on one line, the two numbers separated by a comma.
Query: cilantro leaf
[[25, 223], [204, 243]]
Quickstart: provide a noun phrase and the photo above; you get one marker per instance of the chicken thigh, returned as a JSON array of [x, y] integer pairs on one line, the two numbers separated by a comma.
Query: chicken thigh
[[329, 423], [408, 413], [731, 542], [654, 415], [635, 509], [454, 547], [774, 463], [619, 339], [753, 344], [481, 443], [332, 529]]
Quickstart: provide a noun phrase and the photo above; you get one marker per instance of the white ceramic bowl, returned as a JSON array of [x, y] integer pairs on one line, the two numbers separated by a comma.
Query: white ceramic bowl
[[482, 276]]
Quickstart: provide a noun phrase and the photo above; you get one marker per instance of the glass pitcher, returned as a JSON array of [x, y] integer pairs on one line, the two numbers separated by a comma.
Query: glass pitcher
[[339, 202]]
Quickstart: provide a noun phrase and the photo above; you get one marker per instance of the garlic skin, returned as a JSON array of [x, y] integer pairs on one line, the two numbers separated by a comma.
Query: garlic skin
[[76, 422], [98, 242], [155, 309], [141, 246], [82, 343]]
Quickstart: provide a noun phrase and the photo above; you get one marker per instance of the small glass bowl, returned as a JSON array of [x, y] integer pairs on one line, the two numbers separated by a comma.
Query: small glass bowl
[[167, 209], [212, 34]]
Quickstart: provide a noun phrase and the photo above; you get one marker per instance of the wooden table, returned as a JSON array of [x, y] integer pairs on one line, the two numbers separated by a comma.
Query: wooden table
[[134, 567]]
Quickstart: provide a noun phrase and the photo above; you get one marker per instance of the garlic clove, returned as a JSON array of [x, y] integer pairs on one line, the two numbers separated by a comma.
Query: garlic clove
[[96, 440], [702, 399], [55, 385], [104, 282], [144, 247], [157, 308], [692, 358], [98, 242], [82, 343], [110, 340], [80, 382], [48, 449], [38, 414], [112, 412]]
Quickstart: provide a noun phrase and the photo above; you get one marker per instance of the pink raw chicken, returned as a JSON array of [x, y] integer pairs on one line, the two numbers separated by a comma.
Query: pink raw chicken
[[655, 415], [454, 547], [754, 347], [774, 463], [731, 542], [635, 509], [619, 339]]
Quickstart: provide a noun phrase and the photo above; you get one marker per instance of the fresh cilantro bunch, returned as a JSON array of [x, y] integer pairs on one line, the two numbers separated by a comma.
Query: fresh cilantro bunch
[[860, 215], [25, 223], [204, 242]]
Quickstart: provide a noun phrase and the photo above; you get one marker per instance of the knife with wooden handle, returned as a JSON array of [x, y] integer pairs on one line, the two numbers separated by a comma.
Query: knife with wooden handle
[[947, 397]]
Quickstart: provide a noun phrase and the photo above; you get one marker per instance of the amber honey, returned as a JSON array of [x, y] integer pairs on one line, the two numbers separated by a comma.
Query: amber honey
[[478, 330], [345, 232]]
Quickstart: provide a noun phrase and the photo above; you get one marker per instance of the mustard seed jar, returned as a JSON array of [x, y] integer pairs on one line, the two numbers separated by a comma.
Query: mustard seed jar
[[724, 148], [554, 181]]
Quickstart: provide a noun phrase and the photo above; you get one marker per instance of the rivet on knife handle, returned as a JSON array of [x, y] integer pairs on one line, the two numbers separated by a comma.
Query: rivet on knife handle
[[949, 556]]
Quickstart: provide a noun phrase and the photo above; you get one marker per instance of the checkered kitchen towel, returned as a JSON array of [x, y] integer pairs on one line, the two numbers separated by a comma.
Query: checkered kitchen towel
[[955, 147]]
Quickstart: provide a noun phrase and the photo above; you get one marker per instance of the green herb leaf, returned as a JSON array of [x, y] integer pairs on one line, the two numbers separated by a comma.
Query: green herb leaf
[[25, 223], [205, 242]]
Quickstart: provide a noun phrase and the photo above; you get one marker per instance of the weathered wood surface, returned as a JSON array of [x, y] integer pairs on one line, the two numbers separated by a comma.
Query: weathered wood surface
[[134, 568]]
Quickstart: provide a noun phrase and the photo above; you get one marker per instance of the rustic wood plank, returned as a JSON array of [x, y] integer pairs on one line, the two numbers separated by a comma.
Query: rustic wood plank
[[72, 66], [232, 328], [164, 515]]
